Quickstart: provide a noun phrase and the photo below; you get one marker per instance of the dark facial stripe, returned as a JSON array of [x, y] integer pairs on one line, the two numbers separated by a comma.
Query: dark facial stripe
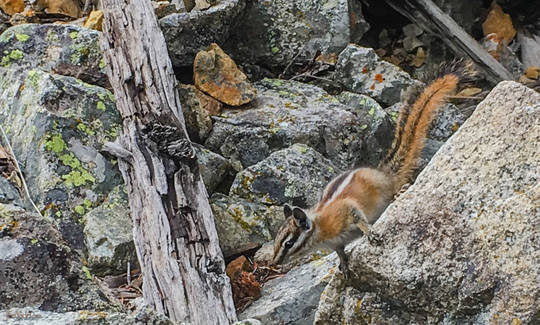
[[332, 187]]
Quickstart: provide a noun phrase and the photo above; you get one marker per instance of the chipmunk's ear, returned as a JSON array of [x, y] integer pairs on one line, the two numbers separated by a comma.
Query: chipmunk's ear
[[301, 218], [287, 210]]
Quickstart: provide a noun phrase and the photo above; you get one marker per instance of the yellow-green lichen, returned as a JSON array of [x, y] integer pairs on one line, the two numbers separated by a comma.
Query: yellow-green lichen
[[34, 78], [86, 129], [86, 272], [13, 55], [55, 144], [371, 111], [22, 37], [237, 214], [100, 105], [102, 64], [74, 35], [79, 209], [70, 160], [34, 241], [78, 177], [275, 49]]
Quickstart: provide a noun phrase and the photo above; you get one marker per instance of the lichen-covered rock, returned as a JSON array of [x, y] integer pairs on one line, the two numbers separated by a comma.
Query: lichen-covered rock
[[249, 321], [108, 235], [361, 70], [214, 168], [377, 124], [56, 126], [216, 74], [294, 175], [62, 49], [293, 298], [461, 245], [243, 225], [285, 113], [38, 269], [272, 33], [34, 316], [198, 108], [187, 33]]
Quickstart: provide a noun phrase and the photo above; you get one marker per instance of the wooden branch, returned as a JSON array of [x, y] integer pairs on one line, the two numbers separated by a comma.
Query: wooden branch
[[174, 233], [431, 18]]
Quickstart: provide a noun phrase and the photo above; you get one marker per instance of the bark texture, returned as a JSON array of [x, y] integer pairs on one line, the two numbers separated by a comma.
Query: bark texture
[[174, 231]]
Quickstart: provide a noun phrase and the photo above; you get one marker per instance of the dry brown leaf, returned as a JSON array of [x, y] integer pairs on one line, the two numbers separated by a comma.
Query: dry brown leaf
[[468, 92], [499, 23], [419, 58], [532, 73]]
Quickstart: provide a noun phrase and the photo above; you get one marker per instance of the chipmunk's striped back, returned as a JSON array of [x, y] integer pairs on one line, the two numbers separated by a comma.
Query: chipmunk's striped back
[[355, 199]]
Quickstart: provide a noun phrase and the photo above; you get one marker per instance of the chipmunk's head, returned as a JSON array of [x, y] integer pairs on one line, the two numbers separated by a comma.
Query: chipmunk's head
[[294, 236]]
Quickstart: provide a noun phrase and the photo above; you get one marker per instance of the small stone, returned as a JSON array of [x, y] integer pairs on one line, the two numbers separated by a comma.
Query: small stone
[[11, 7], [499, 23], [198, 108], [216, 74], [265, 254], [163, 8], [202, 5], [532, 72], [412, 30], [94, 20]]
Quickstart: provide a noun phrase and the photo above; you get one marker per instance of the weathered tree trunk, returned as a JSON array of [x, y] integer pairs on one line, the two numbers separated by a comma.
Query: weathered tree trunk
[[174, 232]]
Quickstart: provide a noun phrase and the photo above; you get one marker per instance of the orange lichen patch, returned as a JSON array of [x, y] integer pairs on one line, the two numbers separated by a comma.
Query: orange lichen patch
[[11, 7], [365, 70], [372, 87], [379, 78], [499, 23]]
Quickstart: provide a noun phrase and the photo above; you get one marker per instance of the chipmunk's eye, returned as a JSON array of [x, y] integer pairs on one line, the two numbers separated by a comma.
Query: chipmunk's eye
[[289, 244]]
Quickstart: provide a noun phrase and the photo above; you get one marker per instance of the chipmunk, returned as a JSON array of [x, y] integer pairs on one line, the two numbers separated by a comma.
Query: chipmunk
[[354, 200]]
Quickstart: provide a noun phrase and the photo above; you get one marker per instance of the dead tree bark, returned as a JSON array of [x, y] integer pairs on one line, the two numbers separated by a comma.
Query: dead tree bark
[[174, 232], [431, 18]]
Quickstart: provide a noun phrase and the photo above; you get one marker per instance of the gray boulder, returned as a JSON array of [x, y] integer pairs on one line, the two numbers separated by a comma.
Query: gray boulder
[[243, 225], [56, 126], [214, 168], [293, 298], [38, 269], [461, 245], [68, 50], [376, 123], [273, 33], [288, 112], [108, 235], [360, 70], [187, 33], [295, 175]]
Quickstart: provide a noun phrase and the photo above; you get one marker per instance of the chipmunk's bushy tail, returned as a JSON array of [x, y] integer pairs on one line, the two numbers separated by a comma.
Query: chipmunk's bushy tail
[[415, 117]]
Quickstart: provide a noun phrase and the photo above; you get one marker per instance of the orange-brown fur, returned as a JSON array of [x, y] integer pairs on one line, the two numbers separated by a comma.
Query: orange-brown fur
[[356, 199]]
